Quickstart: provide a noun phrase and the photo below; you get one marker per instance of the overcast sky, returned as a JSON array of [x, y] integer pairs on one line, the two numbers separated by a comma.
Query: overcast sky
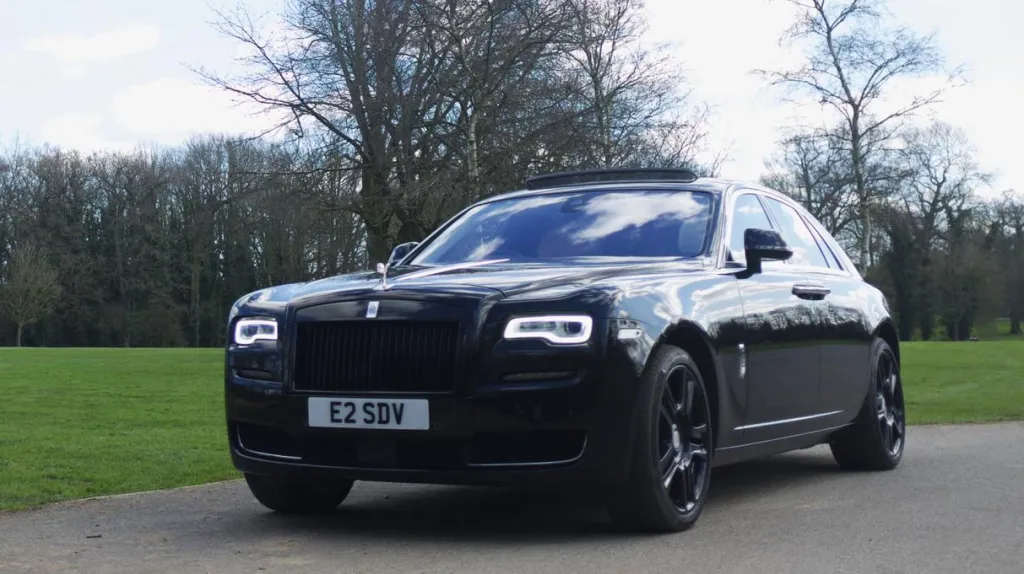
[[113, 73]]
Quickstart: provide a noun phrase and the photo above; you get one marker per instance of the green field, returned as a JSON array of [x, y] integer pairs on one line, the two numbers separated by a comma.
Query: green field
[[83, 422]]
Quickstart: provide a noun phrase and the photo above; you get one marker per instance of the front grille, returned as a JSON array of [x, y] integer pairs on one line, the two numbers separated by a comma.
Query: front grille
[[385, 356]]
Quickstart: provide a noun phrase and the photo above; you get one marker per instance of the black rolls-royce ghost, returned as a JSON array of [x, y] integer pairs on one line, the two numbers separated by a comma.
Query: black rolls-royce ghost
[[620, 331]]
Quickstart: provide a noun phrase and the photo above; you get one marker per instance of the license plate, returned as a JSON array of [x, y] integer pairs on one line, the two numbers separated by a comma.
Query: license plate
[[400, 414]]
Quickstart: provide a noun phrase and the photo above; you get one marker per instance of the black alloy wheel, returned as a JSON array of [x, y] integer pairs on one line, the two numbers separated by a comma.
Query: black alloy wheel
[[889, 403], [682, 438], [670, 472], [877, 438]]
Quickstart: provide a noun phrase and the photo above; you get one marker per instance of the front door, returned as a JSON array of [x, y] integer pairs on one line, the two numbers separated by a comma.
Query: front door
[[782, 339]]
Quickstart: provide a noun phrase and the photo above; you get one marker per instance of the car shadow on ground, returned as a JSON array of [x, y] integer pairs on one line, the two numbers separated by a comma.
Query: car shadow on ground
[[512, 515]]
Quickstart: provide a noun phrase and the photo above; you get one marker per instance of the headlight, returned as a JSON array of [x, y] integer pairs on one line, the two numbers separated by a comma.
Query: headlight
[[248, 331], [559, 329]]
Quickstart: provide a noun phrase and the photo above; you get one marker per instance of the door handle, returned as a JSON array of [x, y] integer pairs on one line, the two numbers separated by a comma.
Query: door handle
[[810, 291]]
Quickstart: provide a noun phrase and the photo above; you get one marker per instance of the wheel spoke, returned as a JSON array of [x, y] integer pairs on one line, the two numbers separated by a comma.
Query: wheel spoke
[[669, 416], [880, 402], [670, 403], [686, 488], [667, 474], [688, 389], [667, 461]]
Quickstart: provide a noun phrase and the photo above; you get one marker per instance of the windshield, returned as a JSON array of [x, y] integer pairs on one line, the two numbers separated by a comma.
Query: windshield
[[570, 225]]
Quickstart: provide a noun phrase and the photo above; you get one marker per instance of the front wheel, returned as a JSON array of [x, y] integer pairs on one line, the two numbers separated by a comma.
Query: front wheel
[[878, 436], [290, 495], [671, 466]]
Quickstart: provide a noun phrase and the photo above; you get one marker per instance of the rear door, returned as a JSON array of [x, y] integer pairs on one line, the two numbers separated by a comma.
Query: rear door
[[843, 337]]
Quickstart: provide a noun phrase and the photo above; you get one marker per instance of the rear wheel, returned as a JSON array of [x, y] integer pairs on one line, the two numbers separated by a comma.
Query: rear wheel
[[877, 438], [298, 495], [671, 465]]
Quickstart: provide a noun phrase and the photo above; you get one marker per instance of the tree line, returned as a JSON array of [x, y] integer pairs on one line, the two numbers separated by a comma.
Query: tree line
[[394, 115]]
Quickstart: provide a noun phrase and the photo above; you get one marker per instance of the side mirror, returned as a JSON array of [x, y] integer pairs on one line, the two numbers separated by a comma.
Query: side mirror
[[400, 251], [761, 244]]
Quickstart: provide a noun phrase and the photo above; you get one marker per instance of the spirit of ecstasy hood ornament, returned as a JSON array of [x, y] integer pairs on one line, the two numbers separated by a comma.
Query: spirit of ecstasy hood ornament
[[382, 268]]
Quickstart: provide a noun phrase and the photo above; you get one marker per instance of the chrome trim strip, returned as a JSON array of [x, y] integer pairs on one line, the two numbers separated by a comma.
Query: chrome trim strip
[[787, 421], [542, 464], [238, 437], [784, 438]]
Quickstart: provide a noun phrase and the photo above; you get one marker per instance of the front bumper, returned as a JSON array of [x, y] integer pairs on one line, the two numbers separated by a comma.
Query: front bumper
[[571, 431]]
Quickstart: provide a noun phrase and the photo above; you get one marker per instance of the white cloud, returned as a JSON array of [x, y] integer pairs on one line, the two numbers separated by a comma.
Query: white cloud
[[83, 132], [98, 47], [74, 71], [169, 109], [165, 111]]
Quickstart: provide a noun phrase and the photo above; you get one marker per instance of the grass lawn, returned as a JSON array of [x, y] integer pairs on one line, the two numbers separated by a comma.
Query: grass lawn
[[83, 422], [963, 382]]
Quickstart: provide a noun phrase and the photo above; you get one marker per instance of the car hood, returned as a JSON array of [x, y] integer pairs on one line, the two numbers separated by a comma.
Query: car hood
[[479, 280]]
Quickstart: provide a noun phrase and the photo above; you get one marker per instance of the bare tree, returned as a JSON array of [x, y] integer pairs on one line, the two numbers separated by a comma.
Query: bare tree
[[941, 174], [813, 169], [490, 49], [633, 100], [350, 68], [31, 288], [852, 61]]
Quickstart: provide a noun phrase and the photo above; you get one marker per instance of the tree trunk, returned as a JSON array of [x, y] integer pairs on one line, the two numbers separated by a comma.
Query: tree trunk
[[906, 323], [376, 248], [472, 160], [857, 159], [1015, 326], [964, 327], [20, 327]]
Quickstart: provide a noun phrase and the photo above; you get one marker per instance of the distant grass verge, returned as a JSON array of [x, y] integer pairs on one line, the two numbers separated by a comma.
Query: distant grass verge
[[963, 382]]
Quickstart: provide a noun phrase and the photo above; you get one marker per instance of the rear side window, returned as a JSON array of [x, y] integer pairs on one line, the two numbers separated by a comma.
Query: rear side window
[[833, 261], [747, 214], [806, 251]]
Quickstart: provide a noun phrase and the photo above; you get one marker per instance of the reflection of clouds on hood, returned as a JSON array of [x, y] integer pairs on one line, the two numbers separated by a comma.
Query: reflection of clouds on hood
[[613, 212]]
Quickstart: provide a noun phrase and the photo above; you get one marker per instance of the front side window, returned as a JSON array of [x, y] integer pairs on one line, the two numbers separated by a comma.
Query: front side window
[[795, 232], [562, 226], [747, 213]]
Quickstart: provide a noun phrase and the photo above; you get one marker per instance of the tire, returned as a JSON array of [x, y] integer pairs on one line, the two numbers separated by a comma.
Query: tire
[[678, 455], [878, 437], [289, 495]]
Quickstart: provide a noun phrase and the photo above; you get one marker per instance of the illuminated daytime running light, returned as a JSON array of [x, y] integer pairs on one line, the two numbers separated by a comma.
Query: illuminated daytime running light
[[248, 331], [558, 329]]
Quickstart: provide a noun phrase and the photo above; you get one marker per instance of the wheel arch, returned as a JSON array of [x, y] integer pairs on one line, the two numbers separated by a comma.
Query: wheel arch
[[693, 339], [886, 331]]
